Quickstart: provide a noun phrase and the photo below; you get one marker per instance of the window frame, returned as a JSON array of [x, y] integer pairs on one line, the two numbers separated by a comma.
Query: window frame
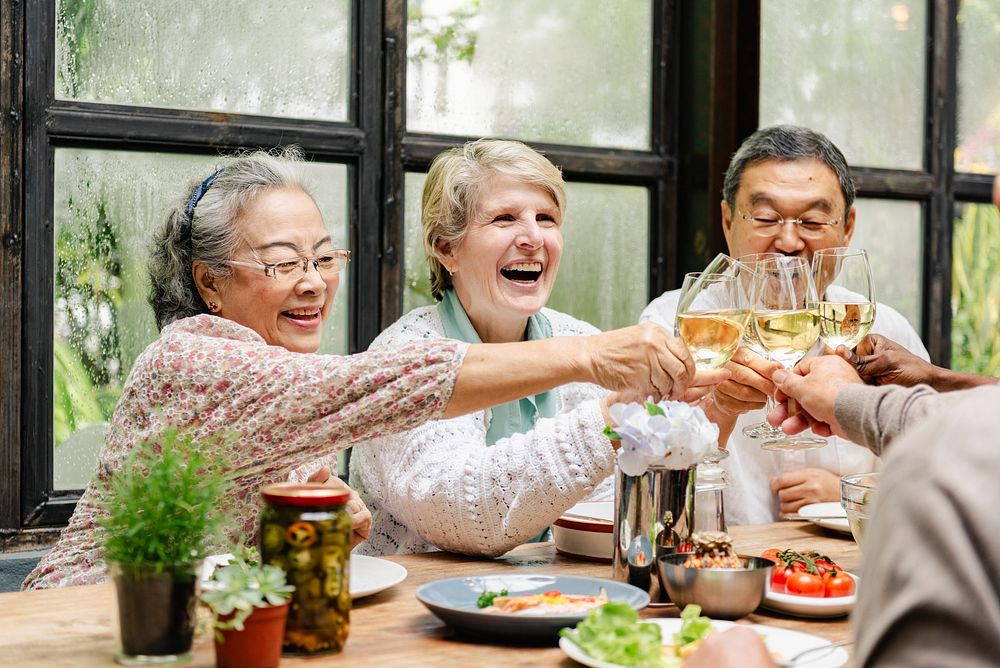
[[373, 143]]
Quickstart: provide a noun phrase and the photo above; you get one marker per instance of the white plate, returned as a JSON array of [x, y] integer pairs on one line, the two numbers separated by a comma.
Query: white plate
[[832, 511], [807, 606], [586, 531], [782, 643], [369, 575]]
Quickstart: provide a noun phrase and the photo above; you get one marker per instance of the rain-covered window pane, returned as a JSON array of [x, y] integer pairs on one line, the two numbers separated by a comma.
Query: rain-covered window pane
[[604, 271], [854, 71], [107, 204], [975, 290], [892, 233], [228, 55], [569, 72], [978, 147]]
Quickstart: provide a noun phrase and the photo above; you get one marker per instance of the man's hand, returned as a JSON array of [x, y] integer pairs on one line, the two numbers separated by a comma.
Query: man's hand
[[748, 387], [799, 488], [361, 517], [814, 384], [881, 361]]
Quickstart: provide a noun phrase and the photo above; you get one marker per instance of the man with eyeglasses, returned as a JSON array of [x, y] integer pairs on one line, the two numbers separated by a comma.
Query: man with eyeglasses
[[787, 190]]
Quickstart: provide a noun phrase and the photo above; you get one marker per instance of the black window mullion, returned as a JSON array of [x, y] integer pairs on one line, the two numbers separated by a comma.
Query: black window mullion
[[11, 249], [36, 314], [942, 137], [79, 123], [393, 168], [664, 270]]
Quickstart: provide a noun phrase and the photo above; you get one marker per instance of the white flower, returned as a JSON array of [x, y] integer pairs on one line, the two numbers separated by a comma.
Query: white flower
[[678, 438]]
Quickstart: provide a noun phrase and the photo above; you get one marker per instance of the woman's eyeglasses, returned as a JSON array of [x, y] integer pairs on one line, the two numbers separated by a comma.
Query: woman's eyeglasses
[[327, 265]]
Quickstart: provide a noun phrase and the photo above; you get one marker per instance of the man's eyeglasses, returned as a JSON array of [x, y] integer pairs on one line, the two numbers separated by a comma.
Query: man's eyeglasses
[[288, 271], [769, 223]]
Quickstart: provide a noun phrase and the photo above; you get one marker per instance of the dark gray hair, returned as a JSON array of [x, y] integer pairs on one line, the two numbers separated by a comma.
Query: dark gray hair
[[787, 142], [210, 235]]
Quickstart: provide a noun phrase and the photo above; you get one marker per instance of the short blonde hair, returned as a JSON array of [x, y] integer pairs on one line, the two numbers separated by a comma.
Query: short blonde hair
[[451, 193]]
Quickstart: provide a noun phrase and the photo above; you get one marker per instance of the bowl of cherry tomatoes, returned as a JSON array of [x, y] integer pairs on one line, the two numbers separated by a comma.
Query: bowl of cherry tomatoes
[[809, 584]]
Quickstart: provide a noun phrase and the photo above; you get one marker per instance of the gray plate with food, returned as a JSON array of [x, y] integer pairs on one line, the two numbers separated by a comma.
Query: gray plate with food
[[522, 606]]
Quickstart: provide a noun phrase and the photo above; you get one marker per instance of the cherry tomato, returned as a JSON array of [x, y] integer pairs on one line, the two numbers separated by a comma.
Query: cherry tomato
[[805, 584], [772, 554], [552, 592], [840, 584], [779, 578]]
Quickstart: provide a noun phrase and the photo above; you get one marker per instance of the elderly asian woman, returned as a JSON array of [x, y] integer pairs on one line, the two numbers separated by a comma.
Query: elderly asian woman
[[485, 482], [243, 275]]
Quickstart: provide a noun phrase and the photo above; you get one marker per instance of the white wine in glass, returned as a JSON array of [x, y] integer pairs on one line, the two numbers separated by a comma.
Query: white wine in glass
[[846, 303], [749, 262], [787, 325], [712, 315]]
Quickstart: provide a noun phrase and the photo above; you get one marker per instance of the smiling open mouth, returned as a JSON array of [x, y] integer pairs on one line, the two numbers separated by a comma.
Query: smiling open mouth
[[522, 272], [301, 314]]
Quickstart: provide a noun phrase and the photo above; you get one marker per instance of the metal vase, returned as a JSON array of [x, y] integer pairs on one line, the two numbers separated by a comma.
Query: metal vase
[[654, 515]]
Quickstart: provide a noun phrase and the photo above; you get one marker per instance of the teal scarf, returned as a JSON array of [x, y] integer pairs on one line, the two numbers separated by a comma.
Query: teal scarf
[[515, 417]]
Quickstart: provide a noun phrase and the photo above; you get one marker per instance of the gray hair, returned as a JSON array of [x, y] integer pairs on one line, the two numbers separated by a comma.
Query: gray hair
[[211, 235], [451, 192], [787, 142]]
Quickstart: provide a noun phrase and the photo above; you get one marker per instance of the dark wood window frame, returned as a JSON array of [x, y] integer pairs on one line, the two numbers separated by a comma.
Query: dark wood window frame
[[374, 144]]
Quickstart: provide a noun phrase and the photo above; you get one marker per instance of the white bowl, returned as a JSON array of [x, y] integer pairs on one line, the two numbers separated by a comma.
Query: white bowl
[[584, 533], [808, 606]]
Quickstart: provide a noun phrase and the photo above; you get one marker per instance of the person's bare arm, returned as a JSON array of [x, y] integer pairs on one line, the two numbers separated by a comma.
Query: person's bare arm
[[638, 361]]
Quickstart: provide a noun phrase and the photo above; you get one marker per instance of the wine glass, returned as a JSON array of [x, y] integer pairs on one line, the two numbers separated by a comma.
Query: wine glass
[[787, 325], [846, 305], [712, 314], [762, 429]]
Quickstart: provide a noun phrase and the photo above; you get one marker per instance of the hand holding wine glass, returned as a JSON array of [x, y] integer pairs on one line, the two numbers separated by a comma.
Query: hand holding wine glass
[[712, 315], [787, 324]]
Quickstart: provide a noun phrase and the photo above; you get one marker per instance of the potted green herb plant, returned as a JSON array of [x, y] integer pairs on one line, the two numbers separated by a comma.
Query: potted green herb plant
[[160, 519], [249, 603]]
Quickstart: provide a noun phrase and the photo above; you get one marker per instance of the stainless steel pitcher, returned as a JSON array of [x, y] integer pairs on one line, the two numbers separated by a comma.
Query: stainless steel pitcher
[[654, 515]]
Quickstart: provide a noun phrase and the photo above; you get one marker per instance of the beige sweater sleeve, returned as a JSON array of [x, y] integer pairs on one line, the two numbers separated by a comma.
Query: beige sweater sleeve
[[875, 416]]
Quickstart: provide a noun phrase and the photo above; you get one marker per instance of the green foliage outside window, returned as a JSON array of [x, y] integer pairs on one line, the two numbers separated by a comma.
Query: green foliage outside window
[[975, 297]]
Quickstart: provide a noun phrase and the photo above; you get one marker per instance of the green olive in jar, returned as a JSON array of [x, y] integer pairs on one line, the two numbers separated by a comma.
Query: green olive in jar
[[306, 529]]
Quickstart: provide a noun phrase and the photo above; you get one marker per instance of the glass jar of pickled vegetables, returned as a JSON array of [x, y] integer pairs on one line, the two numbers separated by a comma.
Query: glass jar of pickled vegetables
[[306, 531]]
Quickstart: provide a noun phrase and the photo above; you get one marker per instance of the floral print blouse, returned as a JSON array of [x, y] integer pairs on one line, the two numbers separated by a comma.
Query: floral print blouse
[[211, 377]]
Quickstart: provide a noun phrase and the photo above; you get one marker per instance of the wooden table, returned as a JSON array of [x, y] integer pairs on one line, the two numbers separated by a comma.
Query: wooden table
[[77, 626]]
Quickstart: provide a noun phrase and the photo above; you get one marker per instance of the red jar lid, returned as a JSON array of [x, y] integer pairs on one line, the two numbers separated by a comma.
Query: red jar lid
[[303, 494]]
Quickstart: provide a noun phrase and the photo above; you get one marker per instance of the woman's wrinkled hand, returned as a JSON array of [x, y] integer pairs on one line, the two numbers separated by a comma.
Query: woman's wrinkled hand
[[804, 486], [361, 517], [645, 360]]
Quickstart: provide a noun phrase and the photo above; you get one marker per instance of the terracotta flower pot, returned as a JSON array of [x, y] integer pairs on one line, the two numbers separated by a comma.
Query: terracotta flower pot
[[258, 645]]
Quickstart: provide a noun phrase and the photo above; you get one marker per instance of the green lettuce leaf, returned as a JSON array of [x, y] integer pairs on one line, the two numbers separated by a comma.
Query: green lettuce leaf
[[614, 633]]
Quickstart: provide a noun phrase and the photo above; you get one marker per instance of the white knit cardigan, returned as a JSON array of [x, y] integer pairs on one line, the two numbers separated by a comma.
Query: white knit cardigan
[[441, 486]]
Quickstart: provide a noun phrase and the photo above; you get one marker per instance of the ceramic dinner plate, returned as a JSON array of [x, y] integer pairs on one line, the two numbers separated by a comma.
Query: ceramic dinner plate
[[782, 643], [454, 601], [829, 515], [368, 575], [807, 606]]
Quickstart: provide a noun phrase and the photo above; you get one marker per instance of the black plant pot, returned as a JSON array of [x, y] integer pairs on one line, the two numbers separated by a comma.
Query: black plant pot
[[156, 612]]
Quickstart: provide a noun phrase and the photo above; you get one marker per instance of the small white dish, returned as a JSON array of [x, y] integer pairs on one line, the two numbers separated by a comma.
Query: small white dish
[[368, 575], [585, 531], [782, 643], [829, 515], [808, 606]]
